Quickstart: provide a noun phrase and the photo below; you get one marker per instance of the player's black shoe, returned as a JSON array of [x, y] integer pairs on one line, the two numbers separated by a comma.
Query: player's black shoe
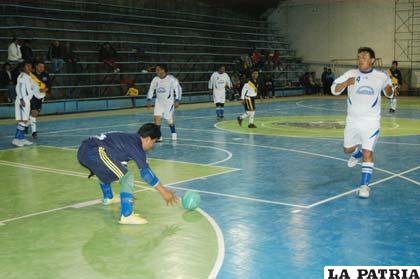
[[391, 110], [239, 120], [252, 126], [35, 135]]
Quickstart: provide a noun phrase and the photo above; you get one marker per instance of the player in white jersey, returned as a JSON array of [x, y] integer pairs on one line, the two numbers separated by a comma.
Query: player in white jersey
[[168, 95], [364, 87], [218, 83], [25, 89]]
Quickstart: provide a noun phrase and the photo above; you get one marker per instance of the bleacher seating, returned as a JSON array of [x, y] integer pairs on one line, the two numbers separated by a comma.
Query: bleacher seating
[[192, 44]]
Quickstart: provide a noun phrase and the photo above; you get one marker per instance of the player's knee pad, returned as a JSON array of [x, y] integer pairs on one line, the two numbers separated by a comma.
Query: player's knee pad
[[170, 121], [127, 183]]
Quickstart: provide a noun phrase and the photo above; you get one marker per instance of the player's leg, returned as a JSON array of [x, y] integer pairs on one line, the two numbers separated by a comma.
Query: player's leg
[[221, 101], [218, 110], [222, 110], [22, 111], [393, 104], [369, 138], [158, 111], [35, 108], [169, 116], [245, 115], [351, 143], [219, 98], [108, 169], [251, 113], [89, 157]]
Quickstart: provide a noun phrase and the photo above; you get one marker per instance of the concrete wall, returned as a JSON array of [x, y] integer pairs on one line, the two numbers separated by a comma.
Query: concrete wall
[[322, 30]]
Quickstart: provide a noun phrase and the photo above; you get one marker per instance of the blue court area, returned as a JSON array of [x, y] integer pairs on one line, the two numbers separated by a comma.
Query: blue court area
[[290, 207]]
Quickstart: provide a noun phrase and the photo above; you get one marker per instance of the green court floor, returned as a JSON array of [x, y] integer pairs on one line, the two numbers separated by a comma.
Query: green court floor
[[52, 226]]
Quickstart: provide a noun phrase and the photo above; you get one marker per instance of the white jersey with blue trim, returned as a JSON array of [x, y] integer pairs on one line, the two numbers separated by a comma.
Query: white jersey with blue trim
[[218, 82], [25, 87], [364, 96], [167, 89]]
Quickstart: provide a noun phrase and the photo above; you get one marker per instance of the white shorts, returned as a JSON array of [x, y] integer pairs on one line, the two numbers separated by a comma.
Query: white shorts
[[364, 132], [165, 110], [219, 97], [22, 113]]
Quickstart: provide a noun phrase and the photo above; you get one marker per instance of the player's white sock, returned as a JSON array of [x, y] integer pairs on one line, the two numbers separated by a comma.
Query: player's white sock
[[393, 103], [243, 116], [33, 123], [251, 117]]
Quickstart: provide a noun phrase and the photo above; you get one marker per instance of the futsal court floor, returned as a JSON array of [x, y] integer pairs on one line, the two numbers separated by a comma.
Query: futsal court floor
[[276, 203]]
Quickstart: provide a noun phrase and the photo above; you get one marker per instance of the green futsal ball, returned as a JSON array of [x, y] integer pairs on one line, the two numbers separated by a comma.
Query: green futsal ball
[[191, 200]]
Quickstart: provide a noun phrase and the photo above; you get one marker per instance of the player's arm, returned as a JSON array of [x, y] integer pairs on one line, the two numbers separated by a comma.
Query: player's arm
[[243, 92], [342, 83], [178, 93], [151, 91], [20, 89], [211, 82], [150, 178], [228, 82]]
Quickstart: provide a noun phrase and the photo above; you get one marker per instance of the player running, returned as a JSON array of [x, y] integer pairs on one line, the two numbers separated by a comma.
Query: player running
[[361, 133]]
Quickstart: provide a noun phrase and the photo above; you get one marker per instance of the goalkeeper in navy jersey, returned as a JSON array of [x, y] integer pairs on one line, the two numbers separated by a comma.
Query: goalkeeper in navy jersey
[[106, 156]]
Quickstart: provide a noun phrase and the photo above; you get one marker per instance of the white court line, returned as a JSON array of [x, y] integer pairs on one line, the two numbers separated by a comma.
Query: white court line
[[76, 206], [239, 197], [216, 125], [220, 244], [213, 147], [83, 175], [355, 190], [169, 160], [220, 239], [299, 104], [301, 152], [135, 123]]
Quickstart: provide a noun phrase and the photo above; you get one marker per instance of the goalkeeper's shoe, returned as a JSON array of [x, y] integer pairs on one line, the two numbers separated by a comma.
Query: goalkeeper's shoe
[[17, 142], [107, 201], [26, 142], [133, 219]]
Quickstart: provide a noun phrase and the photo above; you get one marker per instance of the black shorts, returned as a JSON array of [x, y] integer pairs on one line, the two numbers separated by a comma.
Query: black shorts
[[100, 163], [249, 103], [36, 104]]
